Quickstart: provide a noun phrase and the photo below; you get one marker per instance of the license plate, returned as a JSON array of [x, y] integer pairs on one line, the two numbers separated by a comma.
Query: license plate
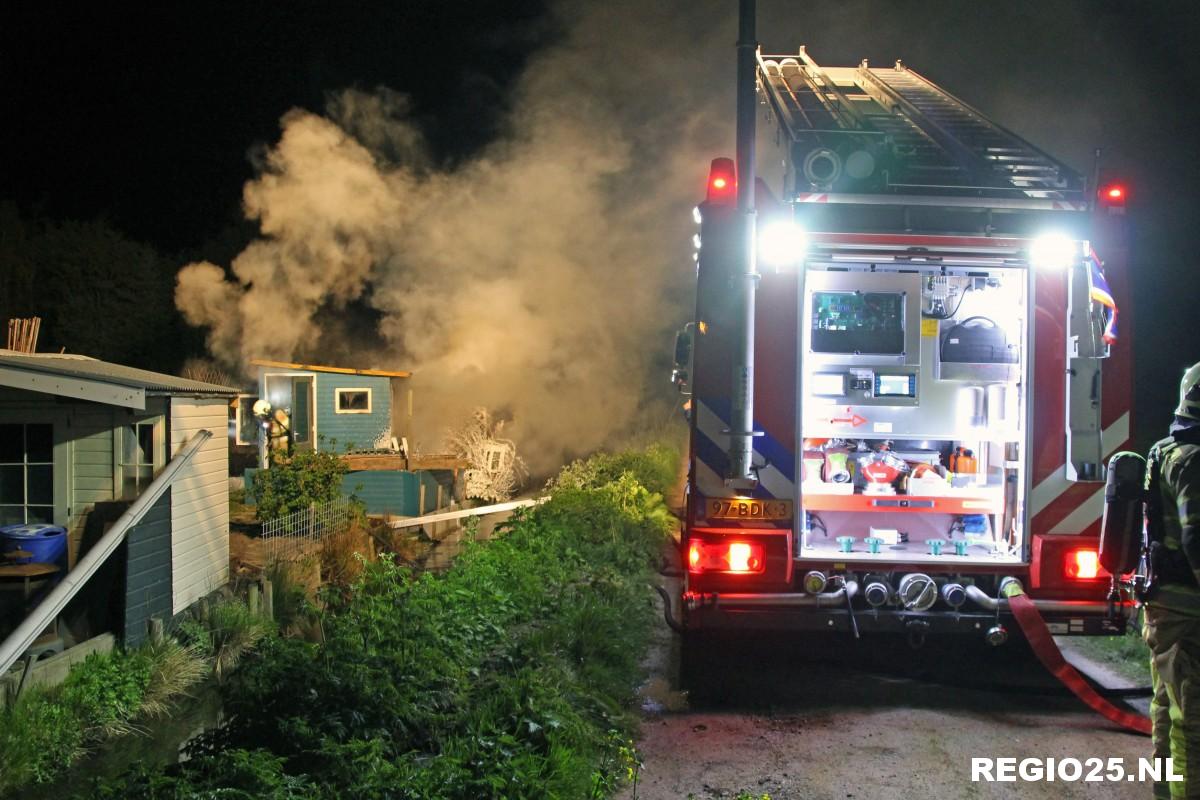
[[719, 508]]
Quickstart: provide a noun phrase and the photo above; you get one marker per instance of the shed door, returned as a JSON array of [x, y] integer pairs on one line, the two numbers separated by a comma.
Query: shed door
[[302, 416]]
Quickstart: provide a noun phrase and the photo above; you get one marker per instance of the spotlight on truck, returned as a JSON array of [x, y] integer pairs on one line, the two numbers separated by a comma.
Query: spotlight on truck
[[781, 244], [1053, 251]]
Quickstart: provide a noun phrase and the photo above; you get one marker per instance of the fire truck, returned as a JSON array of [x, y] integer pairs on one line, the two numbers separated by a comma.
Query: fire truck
[[903, 371]]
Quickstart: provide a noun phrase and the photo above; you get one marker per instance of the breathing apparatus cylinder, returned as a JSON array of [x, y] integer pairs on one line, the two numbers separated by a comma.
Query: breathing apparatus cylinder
[[1124, 507]]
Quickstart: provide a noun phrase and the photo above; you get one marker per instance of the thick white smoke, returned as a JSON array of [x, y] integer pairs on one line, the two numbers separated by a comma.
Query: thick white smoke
[[541, 278]]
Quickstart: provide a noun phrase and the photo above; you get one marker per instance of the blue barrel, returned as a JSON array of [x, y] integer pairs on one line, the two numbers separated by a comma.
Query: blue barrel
[[47, 543]]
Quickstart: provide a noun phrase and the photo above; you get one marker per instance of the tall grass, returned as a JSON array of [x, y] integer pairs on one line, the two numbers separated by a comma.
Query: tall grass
[[226, 633]]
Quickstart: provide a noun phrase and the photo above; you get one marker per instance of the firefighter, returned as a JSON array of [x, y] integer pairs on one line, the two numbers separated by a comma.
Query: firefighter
[[1172, 623]]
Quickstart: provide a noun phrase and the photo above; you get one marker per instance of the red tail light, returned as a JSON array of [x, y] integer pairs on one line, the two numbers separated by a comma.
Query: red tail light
[[722, 181], [726, 557], [1112, 195], [1082, 565]]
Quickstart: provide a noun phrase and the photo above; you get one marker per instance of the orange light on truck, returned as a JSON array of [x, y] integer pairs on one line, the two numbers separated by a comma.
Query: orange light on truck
[[727, 557], [1082, 565]]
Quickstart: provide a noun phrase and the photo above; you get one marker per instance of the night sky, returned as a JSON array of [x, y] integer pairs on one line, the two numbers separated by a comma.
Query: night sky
[[152, 116]]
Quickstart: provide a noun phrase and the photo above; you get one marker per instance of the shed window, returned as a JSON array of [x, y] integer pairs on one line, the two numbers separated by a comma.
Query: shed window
[[139, 451], [353, 401], [26, 473], [245, 424]]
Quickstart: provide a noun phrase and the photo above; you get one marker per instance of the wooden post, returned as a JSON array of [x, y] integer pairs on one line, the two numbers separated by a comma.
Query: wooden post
[[29, 662], [268, 599], [438, 507], [252, 599], [156, 630]]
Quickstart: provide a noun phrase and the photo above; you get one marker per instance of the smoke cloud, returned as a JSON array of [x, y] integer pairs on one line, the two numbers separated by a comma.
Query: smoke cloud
[[541, 278]]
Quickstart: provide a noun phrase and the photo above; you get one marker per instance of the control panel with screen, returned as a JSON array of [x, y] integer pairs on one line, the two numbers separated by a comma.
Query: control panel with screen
[[858, 322], [895, 385]]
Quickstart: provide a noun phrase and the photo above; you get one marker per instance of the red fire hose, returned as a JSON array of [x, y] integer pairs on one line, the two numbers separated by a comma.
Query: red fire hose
[[1051, 657]]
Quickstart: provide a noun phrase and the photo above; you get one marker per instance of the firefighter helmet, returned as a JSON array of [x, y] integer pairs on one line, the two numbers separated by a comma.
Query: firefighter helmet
[[1189, 394]]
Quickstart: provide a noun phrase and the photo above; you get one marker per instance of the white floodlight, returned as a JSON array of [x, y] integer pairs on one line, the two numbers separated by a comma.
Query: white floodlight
[[1053, 251], [781, 244], [696, 215]]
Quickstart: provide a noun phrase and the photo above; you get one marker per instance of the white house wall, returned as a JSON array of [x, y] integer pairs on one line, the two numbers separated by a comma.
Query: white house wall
[[199, 501]]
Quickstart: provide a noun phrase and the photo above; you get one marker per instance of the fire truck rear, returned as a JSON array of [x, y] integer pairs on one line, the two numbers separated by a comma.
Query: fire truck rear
[[920, 361]]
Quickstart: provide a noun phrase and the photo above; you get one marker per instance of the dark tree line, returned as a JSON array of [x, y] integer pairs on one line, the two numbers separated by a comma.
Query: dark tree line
[[99, 293]]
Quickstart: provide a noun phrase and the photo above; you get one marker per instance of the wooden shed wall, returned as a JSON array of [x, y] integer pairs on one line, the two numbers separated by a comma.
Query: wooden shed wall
[[200, 501], [148, 571], [359, 431]]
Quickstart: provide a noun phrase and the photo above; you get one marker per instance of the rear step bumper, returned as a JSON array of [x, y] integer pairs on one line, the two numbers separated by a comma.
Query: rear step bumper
[[830, 612]]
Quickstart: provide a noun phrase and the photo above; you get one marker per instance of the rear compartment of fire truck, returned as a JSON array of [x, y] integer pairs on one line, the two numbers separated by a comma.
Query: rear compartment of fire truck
[[913, 416]]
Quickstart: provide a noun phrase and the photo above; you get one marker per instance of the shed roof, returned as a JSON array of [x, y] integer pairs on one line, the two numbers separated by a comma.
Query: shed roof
[[87, 378], [262, 362]]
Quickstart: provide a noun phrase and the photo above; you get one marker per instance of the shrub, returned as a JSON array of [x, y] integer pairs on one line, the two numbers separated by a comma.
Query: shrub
[[294, 483], [508, 676], [656, 468], [47, 730]]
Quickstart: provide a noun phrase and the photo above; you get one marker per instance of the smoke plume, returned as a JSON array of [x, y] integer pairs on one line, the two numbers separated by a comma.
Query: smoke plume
[[541, 278]]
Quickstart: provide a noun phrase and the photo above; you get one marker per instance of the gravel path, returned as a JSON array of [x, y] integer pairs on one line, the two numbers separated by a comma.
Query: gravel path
[[825, 718]]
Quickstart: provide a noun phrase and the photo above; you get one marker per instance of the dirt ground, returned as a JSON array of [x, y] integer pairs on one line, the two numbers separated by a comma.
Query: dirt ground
[[820, 719]]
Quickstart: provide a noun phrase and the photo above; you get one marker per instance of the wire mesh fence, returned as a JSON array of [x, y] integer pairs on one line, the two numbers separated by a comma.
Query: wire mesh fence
[[296, 535]]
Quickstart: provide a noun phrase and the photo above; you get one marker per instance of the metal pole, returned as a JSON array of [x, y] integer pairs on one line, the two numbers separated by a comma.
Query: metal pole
[[741, 421]]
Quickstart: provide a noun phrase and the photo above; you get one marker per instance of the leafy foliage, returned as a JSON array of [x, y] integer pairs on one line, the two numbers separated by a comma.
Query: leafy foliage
[[293, 484], [46, 730], [655, 467], [506, 677]]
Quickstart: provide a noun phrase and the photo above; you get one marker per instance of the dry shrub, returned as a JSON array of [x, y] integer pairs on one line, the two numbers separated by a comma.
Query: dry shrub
[[344, 553], [245, 552], [408, 545]]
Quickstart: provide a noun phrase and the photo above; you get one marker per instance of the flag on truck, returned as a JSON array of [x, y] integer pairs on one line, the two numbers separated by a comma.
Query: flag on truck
[[1100, 293]]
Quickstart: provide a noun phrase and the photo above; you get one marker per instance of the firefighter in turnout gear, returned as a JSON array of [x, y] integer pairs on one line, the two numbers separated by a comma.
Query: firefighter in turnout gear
[[1172, 623]]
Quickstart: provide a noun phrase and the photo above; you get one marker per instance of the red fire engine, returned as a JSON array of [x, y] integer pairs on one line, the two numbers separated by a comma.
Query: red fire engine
[[903, 370]]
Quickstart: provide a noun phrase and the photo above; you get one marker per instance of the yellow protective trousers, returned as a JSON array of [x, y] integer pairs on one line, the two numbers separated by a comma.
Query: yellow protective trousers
[[1174, 640]]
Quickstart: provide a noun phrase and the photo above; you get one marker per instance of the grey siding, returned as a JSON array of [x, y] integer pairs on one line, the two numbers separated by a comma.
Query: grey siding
[[339, 431], [148, 571]]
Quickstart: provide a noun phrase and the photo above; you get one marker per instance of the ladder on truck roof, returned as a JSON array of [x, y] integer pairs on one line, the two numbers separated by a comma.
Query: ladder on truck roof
[[936, 143]]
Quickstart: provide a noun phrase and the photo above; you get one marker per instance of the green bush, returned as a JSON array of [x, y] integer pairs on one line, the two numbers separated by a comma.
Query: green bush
[[656, 467], [508, 676], [293, 484], [47, 730]]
